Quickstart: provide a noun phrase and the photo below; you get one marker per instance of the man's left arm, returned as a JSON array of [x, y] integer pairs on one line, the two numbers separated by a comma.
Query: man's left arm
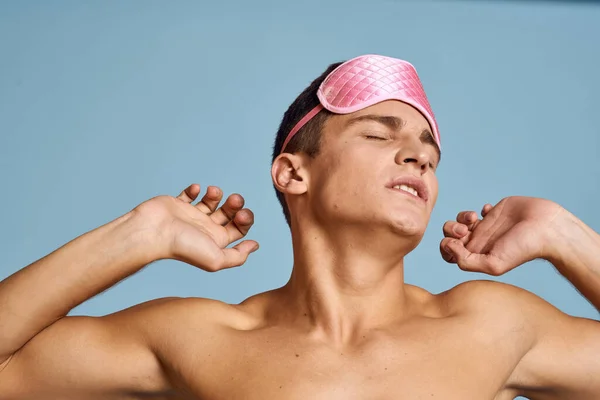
[[575, 252], [564, 362]]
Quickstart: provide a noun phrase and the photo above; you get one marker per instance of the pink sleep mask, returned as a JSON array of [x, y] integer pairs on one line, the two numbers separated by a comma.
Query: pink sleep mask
[[368, 80]]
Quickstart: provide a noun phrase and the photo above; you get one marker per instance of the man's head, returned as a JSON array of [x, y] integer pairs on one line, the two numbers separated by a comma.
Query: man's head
[[308, 139], [354, 168]]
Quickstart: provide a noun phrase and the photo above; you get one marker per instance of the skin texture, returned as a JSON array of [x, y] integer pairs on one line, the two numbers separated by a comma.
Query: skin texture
[[346, 325]]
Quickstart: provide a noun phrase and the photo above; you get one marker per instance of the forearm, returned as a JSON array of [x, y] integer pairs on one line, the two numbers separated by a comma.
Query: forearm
[[45, 291], [575, 253]]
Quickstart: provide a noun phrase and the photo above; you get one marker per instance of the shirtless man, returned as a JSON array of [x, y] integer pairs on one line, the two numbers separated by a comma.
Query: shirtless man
[[357, 189]]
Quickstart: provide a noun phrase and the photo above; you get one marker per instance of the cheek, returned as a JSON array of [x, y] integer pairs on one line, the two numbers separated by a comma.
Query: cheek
[[344, 181], [352, 173]]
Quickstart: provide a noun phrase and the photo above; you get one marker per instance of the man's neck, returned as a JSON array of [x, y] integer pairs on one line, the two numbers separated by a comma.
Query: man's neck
[[344, 285]]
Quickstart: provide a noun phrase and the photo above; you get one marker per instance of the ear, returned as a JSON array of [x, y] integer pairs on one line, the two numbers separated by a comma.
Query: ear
[[289, 173]]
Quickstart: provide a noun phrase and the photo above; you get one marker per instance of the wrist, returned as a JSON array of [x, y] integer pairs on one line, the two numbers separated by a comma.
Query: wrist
[[140, 237], [555, 237], [563, 236]]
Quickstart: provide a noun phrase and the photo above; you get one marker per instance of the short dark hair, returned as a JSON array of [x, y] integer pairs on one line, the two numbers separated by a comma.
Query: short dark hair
[[308, 139]]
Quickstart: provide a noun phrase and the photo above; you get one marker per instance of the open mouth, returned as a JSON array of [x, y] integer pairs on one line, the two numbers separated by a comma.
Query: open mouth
[[410, 186], [407, 189]]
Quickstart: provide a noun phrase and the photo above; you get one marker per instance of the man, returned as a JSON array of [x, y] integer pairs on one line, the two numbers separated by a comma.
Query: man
[[354, 165]]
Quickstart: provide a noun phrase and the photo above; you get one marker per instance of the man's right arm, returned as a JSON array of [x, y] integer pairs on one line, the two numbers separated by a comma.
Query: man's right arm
[[40, 348], [42, 351], [44, 292]]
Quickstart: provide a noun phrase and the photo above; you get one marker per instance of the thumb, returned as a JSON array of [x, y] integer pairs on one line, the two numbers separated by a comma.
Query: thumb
[[238, 254]]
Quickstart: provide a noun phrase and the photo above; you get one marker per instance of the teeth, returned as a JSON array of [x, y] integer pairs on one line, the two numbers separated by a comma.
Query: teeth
[[407, 189]]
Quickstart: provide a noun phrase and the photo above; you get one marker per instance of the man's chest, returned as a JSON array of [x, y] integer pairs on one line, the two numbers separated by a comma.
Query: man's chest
[[414, 365]]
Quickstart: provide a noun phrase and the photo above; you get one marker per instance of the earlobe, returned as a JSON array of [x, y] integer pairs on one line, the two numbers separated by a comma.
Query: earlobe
[[289, 175]]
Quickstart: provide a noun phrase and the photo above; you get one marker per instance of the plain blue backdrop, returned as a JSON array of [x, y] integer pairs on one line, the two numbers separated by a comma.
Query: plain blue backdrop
[[106, 104]]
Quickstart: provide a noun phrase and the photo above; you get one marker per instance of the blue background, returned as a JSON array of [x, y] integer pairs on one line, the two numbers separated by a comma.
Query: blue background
[[106, 104]]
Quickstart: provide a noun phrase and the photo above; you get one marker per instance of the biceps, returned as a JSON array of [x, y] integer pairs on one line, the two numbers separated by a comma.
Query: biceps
[[81, 355], [565, 360]]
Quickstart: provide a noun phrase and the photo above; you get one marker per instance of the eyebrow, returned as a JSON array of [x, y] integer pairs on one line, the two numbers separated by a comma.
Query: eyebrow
[[396, 123], [390, 121]]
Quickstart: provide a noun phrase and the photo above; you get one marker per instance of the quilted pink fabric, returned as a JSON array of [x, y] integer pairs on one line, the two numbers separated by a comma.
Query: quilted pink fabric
[[365, 81], [370, 79]]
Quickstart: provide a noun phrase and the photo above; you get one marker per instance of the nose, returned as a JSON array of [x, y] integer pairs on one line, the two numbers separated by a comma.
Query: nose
[[414, 155]]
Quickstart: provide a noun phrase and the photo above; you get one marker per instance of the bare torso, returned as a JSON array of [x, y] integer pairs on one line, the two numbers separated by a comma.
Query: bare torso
[[440, 352]]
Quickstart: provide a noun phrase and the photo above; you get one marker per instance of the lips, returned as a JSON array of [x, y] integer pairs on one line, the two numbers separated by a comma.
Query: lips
[[410, 185]]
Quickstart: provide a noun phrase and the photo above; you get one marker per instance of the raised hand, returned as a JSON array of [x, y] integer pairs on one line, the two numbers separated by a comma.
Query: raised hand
[[516, 230], [199, 234]]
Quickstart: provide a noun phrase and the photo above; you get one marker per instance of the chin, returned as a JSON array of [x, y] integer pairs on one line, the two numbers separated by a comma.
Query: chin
[[408, 225]]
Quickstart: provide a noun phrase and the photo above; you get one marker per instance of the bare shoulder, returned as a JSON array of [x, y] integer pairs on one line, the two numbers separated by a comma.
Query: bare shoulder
[[176, 328], [551, 354], [487, 295], [500, 306], [131, 350], [173, 315]]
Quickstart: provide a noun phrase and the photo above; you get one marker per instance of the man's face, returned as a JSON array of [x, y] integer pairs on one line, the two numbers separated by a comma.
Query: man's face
[[366, 159]]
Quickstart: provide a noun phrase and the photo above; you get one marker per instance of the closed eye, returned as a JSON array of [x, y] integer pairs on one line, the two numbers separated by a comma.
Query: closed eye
[[373, 137]]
